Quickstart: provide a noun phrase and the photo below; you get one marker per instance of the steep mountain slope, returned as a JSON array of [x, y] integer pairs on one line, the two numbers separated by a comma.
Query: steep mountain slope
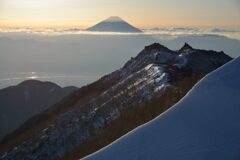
[[18, 103], [203, 125], [114, 24], [101, 112]]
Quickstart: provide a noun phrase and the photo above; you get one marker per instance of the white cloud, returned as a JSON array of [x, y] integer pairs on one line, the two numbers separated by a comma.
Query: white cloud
[[157, 32]]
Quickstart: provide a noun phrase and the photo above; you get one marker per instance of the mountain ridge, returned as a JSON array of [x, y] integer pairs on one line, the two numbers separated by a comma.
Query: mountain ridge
[[203, 125], [97, 114]]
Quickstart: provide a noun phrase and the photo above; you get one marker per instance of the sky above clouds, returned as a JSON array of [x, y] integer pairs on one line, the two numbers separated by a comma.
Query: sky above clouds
[[141, 13]]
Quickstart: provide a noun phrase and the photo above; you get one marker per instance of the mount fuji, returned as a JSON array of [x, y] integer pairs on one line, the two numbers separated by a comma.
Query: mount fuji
[[114, 24]]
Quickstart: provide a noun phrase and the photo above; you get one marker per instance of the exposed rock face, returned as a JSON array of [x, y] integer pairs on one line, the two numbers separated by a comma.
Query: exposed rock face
[[18, 103], [143, 88]]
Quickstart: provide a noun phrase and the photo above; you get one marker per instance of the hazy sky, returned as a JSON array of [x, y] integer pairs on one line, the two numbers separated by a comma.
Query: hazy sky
[[141, 13]]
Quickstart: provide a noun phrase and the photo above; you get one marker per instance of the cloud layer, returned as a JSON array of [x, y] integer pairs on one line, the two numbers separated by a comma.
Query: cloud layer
[[159, 32]]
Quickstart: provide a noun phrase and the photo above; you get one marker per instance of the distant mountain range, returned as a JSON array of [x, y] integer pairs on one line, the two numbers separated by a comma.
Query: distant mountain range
[[114, 24], [99, 113], [19, 103], [203, 125]]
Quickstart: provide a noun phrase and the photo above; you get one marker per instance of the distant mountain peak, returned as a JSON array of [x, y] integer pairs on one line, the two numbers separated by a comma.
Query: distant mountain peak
[[114, 24], [27, 99], [186, 47]]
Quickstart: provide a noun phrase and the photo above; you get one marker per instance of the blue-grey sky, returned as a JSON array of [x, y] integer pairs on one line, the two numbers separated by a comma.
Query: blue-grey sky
[[141, 13]]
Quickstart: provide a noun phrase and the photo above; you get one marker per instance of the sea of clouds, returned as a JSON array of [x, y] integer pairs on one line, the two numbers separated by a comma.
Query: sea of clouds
[[77, 57]]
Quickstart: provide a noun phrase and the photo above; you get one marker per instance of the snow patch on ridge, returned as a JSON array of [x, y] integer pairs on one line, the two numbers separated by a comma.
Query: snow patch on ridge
[[182, 61]]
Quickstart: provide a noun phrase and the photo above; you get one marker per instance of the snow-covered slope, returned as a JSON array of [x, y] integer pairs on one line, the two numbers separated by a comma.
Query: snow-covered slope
[[203, 125]]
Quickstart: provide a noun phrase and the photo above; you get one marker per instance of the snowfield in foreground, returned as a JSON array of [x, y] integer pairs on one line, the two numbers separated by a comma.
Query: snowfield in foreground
[[203, 125]]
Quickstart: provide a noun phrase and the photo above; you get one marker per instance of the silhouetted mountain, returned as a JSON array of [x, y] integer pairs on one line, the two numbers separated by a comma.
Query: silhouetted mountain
[[101, 112], [18, 103], [185, 48], [114, 24]]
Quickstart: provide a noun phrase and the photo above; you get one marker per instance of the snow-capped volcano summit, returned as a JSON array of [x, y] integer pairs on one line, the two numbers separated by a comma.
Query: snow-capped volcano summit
[[114, 19], [114, 24]]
